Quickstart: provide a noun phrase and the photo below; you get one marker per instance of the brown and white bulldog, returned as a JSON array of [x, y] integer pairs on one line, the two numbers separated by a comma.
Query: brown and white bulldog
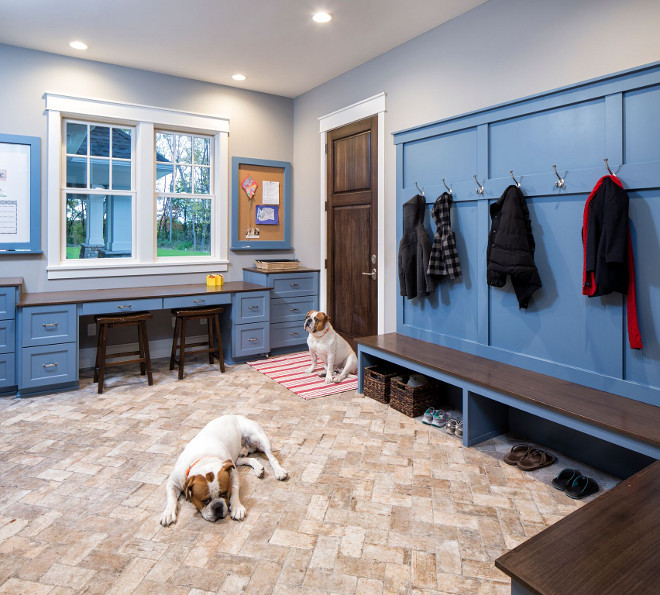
[[330, 347], [206, 469]]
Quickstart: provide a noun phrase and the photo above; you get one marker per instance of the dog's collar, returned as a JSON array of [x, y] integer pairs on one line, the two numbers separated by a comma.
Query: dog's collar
[[325, 332], [191, 466]]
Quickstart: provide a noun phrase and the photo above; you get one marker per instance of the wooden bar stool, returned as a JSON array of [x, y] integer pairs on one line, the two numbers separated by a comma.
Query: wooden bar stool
[[183, 315], [105, 322]]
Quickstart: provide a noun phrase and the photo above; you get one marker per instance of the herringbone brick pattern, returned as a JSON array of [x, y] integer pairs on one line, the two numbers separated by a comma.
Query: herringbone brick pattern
[[376, 502]]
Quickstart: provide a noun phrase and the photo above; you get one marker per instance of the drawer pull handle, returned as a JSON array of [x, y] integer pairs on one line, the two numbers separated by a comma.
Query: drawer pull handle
[[251, 339], [199, 301], [294, 285], [294, 334], [253, 308], [53, 365], [126, 307], [50, 324], [293, 309]]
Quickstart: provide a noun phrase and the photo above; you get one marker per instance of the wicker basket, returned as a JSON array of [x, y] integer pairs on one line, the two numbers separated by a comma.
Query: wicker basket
[[277, 265], [377, 382], [412, 401]]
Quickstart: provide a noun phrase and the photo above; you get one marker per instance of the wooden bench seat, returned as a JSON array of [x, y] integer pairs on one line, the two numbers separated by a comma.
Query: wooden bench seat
[[488, 384], [610, 545]]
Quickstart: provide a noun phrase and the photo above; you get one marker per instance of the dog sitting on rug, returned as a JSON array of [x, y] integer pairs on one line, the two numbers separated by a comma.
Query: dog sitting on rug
[[326, 344]]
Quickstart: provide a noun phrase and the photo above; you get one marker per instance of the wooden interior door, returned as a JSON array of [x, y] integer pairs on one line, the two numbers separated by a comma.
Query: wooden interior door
[[352, 229]]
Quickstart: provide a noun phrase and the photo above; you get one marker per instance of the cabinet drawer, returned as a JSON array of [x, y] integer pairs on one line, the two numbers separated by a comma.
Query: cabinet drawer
[[251, 307], [197, 301], [48, 364], [7, 302], [7, 370], [295, 284], [292, 309], [121, 306], [285, 334], [251, 339], [46, 325], [7, 336]]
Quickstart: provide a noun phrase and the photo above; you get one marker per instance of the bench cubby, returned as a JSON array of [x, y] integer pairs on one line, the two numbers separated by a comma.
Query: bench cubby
[[495, 398]]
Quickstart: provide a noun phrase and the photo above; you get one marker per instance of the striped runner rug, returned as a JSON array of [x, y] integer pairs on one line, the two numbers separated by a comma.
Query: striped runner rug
[[291, 372]]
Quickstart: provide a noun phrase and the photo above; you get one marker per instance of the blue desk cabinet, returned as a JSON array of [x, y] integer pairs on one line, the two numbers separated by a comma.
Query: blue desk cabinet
[[8, 297], [39, 332], [48, 353], [295, 292], [250, 324]]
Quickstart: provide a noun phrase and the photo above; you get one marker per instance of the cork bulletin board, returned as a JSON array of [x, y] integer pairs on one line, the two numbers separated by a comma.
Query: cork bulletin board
[[261, 204]]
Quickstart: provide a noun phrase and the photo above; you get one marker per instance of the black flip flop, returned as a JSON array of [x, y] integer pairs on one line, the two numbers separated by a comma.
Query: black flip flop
[[565, 478], [518, 452], [581, 487]]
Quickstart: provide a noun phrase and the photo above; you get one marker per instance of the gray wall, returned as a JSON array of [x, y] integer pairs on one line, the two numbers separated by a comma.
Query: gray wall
[[261, 126], [500, 51]]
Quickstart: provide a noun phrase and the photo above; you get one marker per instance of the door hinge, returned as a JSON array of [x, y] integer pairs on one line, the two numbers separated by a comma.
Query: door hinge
[[326, 148], [326, 206], [326, 263]]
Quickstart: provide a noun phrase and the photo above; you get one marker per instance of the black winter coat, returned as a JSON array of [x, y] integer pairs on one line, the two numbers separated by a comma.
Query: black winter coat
[[511, 246], [414, 251], [606, 246]]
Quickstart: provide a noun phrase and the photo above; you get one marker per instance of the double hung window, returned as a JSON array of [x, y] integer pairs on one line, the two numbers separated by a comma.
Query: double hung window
[[134, 190]]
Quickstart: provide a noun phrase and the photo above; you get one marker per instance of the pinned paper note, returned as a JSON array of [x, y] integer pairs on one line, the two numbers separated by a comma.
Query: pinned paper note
[[270, 193], [250, 186]]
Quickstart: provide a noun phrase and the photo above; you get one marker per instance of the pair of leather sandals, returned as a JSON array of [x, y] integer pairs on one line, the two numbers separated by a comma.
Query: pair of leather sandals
[[529, 458], [574, 484]]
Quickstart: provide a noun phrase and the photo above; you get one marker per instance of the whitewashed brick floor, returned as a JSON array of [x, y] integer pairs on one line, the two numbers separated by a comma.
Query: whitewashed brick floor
[[376, 502]]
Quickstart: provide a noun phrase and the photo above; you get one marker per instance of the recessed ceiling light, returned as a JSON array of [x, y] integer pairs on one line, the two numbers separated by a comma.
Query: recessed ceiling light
[[322, 17], [239, 77], [78, 45]]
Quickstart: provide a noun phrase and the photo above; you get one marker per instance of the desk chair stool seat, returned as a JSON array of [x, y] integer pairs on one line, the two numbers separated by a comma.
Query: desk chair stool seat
[[105, 322], [213, 348]]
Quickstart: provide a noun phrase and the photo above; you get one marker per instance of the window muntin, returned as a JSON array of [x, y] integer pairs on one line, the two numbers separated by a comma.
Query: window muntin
[[184, 195]]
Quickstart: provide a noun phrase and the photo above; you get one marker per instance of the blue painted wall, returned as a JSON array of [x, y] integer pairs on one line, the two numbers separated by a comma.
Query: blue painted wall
[[562, 333]]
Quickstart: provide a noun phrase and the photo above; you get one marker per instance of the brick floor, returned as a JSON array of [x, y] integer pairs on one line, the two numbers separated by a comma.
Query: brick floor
[[376, 502]]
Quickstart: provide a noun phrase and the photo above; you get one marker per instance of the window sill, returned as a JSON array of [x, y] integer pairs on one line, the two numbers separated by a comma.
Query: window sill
[[93, 270]]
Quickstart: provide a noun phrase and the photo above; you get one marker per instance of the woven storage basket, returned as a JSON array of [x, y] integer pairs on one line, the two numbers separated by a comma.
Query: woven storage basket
[[412, 401], [377, 382], [277, 265]]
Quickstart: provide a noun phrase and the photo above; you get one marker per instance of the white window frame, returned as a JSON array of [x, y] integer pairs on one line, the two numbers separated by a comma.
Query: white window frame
[[145, 119]]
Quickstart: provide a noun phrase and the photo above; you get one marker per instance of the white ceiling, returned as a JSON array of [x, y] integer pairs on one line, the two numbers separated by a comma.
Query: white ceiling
[[273, 42]]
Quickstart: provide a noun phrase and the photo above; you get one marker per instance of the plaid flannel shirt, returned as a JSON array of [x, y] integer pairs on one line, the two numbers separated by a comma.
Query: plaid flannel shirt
[[444, 255]]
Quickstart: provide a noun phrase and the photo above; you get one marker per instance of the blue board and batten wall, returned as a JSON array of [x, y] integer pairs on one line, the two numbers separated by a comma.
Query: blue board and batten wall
[[562, 333]]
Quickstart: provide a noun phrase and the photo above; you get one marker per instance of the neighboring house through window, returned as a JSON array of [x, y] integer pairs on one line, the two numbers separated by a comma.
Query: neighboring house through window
[[134, 190]]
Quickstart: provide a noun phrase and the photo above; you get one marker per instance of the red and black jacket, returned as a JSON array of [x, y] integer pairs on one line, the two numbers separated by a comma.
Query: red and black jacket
[[609, 263]]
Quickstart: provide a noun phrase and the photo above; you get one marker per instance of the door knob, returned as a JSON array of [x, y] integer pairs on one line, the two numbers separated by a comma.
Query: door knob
[[372, 274]]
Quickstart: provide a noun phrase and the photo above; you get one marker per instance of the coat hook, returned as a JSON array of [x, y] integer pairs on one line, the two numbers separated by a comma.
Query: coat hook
[[608, 168], [560, 181], [516, 181], [447, 187], [421, 191], [480, 188]]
